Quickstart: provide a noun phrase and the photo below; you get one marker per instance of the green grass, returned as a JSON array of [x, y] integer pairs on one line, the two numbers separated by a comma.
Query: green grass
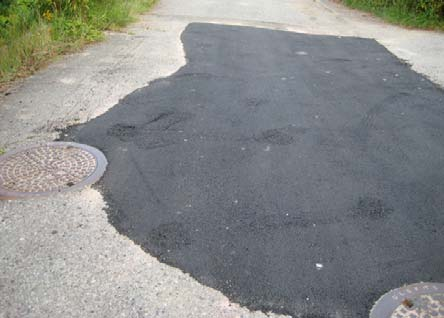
[[34, 31], [424, 14]]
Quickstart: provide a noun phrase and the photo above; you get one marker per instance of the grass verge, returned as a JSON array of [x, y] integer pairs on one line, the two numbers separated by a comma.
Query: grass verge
[[34, 31], [424, 14]]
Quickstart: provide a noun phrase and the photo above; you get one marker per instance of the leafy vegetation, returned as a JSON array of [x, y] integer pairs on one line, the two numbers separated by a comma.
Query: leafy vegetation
[[33, 31], [428, 14]]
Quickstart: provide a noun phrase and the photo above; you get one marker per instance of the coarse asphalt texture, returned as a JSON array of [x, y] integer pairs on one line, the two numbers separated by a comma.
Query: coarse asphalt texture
[[296, 173]]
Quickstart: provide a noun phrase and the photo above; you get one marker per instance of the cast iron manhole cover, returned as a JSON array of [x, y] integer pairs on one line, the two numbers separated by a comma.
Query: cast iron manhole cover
[[422, 300], [49, 168]]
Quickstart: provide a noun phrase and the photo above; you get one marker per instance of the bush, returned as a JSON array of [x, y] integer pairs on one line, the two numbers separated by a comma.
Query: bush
[[31, 31], [416, 13], [433, 8]]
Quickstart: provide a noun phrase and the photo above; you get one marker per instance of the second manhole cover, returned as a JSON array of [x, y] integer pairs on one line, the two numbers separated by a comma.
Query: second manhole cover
[[49, 168], [422, 300]]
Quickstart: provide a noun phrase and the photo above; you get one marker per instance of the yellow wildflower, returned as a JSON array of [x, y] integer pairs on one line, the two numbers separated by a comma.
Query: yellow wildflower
[[47, 15]]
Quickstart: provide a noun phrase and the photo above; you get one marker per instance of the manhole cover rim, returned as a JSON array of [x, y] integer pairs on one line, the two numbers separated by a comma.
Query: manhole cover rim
[[385, 306], [100, 167]]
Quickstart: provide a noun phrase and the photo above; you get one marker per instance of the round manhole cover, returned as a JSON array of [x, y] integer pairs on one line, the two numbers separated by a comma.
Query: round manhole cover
[[422, 300], [49, 168]]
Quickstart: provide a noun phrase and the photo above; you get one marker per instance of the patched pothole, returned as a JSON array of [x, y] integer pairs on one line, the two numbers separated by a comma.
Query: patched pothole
[[422, 300], [49, 168]]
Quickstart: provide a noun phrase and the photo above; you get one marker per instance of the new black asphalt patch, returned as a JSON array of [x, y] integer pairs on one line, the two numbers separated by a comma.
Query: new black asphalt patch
[[296, 173]]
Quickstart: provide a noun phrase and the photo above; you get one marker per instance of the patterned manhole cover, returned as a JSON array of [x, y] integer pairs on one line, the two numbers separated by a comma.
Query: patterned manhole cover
[[422, 300], [49, 168]]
